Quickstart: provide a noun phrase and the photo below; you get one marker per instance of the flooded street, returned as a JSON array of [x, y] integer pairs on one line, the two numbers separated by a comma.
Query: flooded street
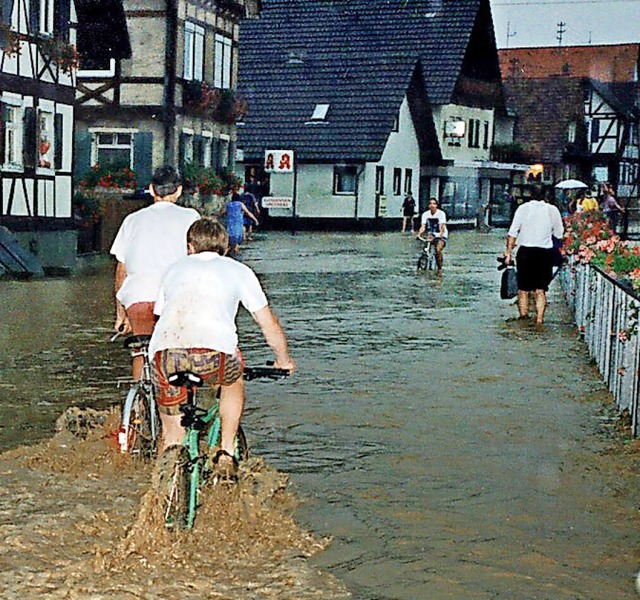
[[448, 449]]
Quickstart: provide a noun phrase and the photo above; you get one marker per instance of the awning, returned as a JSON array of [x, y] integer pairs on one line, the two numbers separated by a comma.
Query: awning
[[102, 29]]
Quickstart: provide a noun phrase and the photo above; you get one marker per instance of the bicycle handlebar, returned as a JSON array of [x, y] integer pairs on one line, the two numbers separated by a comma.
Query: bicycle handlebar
[[265, 373]]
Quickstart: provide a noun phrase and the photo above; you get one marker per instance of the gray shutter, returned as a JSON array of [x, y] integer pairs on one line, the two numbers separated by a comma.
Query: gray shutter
[[182, 145], [232, 156], [7, 11], [29, 140], [142, 157], [215, 155], [34, 17], [61, 18], [198, 150], [58, 140], [82, 147]]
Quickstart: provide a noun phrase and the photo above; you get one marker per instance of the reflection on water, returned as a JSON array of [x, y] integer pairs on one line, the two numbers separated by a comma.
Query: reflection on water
[[434, 438]]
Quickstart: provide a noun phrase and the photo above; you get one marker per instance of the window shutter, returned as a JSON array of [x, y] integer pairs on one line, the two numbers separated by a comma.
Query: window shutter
[[198, 150], [215, 154], [58, 141], [61, 18], [7, 11], [34, 17], [30, 138], [232, 156], [3, 131], [82, 147], [182, 148], [142, 157]]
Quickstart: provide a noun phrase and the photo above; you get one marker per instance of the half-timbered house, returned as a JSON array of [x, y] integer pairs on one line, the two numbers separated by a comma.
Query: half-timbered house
[[375, 98], [172, 100], [577, 111], [37, 62]]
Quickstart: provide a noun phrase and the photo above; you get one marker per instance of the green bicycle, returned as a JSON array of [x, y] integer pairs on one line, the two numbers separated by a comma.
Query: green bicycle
[[182, 470]]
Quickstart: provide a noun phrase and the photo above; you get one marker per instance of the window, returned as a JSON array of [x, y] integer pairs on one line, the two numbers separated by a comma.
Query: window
[[396, 124], [571, 132], [11, 135], [95, 67], [45, 140], [222, 62], [113, 148], [486, 142], [320, 112], [408, 180], [380, 180], [344, 180], [473, 140], [193, 52], [397, 182]]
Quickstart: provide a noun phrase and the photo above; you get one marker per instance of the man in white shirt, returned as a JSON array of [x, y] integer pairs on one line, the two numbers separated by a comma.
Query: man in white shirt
[[196, 331], [147, 243], [434, 223], [534, 225]]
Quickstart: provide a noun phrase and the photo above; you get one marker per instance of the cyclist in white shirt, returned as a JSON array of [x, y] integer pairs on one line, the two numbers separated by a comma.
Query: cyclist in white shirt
[[434, 223], [534, 225], [196, 331], [147, 243]]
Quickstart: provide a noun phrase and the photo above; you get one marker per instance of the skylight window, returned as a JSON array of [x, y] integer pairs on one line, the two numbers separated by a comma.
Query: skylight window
[[320, 112]]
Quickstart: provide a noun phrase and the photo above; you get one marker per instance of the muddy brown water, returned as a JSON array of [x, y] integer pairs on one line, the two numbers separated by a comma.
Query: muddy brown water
[[447, 449]]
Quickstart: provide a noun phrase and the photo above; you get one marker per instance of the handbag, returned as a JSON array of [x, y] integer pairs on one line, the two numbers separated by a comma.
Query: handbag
[[509, 283], [558, 258]]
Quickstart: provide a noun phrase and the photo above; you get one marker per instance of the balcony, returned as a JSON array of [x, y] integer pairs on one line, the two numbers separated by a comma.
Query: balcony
[[223, 106]]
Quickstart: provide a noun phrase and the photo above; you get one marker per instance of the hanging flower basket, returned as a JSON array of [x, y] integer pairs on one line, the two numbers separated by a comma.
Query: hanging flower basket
[[60, 52], [9, 40]]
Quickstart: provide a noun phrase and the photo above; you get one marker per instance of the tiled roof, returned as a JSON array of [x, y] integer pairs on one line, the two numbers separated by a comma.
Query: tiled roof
[[544, 109], [618, 62], [623, 97], [358, 56]]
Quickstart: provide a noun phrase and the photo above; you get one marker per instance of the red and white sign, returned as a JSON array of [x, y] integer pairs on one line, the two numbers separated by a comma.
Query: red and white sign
[[278, 161], [277, 202]]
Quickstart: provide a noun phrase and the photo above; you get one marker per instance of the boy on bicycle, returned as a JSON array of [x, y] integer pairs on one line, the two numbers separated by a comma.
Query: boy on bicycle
[[434, 224], [197, 305]]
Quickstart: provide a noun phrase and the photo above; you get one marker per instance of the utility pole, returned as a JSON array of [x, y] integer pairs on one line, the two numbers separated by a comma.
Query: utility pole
[[509, 34], [562, 27]]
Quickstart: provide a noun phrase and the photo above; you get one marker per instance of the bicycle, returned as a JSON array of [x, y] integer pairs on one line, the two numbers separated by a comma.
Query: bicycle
[[139, 421], [182, 470], [427, 259]]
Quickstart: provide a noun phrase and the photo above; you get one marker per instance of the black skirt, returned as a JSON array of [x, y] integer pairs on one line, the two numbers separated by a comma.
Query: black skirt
[[534, 268]]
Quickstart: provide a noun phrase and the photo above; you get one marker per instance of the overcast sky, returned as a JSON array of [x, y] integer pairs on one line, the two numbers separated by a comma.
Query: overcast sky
[[535, 23]]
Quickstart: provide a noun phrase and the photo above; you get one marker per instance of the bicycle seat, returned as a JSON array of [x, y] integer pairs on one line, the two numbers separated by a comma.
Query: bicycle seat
[[185, 379], [135, 342]]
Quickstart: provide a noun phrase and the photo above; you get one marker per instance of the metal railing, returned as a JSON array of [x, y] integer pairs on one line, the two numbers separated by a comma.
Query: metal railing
[[606, 313]]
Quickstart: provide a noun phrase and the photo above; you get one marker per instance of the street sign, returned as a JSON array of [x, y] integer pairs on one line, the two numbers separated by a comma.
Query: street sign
[[277, 202], [278, 161]]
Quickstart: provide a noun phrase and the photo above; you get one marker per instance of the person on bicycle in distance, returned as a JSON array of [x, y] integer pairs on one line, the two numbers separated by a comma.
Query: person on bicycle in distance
[[148, 241], [197, 306], [434, 225]]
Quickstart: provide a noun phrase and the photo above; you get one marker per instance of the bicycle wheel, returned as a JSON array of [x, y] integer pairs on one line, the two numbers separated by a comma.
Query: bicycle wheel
[[432, 263], [423, 261], [136, 436], [240, 443], [172, 483]]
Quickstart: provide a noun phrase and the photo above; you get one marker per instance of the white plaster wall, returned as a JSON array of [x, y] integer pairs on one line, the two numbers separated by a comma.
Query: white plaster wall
[[463, 153]]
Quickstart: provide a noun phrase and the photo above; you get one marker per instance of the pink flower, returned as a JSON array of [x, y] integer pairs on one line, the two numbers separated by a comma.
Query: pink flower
[[623, 336]]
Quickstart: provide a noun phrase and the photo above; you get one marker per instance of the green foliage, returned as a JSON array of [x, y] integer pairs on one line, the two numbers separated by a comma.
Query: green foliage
[[112, 175], [202, 179]]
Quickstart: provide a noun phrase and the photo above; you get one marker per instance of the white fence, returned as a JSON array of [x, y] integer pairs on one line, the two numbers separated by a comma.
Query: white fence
[[606, 312]]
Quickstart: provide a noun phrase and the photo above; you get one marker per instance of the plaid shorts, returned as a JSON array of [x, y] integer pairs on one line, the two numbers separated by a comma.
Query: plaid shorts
[[216, 368]]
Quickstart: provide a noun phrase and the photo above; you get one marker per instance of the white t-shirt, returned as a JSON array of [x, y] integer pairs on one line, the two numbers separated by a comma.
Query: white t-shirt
[[534, 223], [433, 221], [198, 302], [148, 241]]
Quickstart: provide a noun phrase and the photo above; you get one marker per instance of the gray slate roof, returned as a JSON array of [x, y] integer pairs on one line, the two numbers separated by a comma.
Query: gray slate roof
[[622, 96], [359, 56]]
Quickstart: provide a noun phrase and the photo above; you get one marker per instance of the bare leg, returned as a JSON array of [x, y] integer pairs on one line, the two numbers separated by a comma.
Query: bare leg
[[172, 431], [231, 408], [523, 304], [541, 305], [439, 258], [404, 224]]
